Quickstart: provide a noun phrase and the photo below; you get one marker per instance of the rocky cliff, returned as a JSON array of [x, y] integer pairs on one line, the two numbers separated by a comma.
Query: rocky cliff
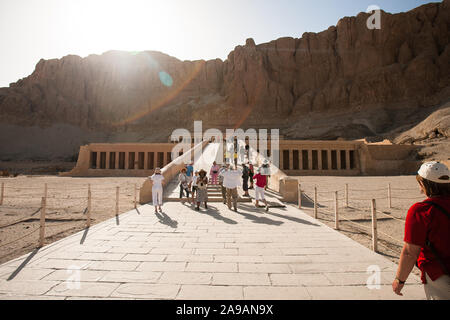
[[345, 82]]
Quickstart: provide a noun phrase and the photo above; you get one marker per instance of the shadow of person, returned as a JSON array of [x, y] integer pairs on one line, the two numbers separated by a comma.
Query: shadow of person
[[214, 212], [258, 219], [298, 220], [165, 219]]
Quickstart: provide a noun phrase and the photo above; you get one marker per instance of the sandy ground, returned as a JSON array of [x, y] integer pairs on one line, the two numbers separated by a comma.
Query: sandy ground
[[66, 208], [67, 203], [390, 221]]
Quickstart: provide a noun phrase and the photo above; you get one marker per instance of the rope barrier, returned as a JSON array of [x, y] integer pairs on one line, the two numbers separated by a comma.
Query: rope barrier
[[404, 189], [368, 190], [5, 244], [62, 223], [385, 234], [359, 199], [352, 222], [412, 198], [18, 220], [392, 217]]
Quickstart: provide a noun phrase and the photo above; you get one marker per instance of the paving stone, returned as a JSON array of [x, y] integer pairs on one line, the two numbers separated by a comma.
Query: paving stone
[[264, 268], [146, 291], [84, 275], [162, 266], [190, 258], [186, 278], [205, 292], [129, 250], [181, 251], [200, 245], [25, 274], [27, 287], [230, 279], [217, 251], [114, 265], [144, 257], [211, 267], [296, 280], [131, 276], [276, 293], [97, 256], [63, 264], [231, 258], [364, 293], [84, 289]]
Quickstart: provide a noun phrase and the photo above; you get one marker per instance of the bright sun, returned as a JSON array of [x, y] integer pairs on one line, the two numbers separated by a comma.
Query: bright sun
[[131, 25]]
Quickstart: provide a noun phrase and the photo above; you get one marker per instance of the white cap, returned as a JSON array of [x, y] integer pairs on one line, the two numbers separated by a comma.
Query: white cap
[[433, 171]]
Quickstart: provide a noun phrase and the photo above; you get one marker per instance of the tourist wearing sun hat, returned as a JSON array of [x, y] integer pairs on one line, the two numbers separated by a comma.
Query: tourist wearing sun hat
[[427, 234], [202, 189], [157, 189]]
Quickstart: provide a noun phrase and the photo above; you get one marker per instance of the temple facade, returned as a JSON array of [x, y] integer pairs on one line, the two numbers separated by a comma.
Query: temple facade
[[296, 158]]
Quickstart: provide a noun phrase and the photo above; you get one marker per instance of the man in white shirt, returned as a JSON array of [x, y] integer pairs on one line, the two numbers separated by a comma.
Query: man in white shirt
[[231, 181]]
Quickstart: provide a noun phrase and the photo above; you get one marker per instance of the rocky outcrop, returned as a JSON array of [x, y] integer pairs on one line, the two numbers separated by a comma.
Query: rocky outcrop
[[371, 80]]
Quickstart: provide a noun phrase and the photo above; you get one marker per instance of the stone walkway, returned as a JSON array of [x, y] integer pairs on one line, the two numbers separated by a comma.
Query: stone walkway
[[214, 254]]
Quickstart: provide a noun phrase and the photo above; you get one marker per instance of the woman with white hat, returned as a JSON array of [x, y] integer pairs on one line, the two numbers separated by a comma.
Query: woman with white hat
[[157, 189], [427, 235]]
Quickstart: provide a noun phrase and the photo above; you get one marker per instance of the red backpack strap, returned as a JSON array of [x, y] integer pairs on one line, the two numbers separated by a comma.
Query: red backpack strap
[[430, 245]]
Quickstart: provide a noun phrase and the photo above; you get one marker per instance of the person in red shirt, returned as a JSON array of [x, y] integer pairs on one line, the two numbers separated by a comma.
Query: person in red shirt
[[427, 234], [261, 182]]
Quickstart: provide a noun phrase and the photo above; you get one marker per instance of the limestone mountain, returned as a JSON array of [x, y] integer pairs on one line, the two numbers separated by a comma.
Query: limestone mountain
[[345, 82]]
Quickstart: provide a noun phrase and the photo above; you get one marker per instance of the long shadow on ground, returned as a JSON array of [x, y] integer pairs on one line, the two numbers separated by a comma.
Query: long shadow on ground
[[165, 219], [214, 212], [257, 219]]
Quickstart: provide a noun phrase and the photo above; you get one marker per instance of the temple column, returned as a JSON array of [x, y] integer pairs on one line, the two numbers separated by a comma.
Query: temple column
[[291, 159], [300, 159], [319, 159], [310, 159], [330, 164], [145, 160], [98, 160], [108, 156], [127, 162], [338, 156], [347, 157]]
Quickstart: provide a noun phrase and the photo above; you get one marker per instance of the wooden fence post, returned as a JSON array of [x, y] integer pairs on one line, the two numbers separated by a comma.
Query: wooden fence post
[[42, 222], [389, 196], [346, 195], [135, 192], [374, 226], [315, 202], [117, 201], [336, 213], [299, 196], [2, 193], [89, 207]]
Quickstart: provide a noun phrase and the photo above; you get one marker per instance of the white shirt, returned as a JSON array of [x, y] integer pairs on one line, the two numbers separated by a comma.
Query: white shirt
[[231, 179], [194, 181], [157, 181]]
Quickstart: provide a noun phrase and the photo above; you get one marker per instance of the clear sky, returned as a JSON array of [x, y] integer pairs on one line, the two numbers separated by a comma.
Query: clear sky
[[186, 29]]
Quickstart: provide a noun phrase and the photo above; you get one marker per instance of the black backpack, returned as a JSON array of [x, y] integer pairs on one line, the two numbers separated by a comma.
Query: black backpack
[[430, 245]]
